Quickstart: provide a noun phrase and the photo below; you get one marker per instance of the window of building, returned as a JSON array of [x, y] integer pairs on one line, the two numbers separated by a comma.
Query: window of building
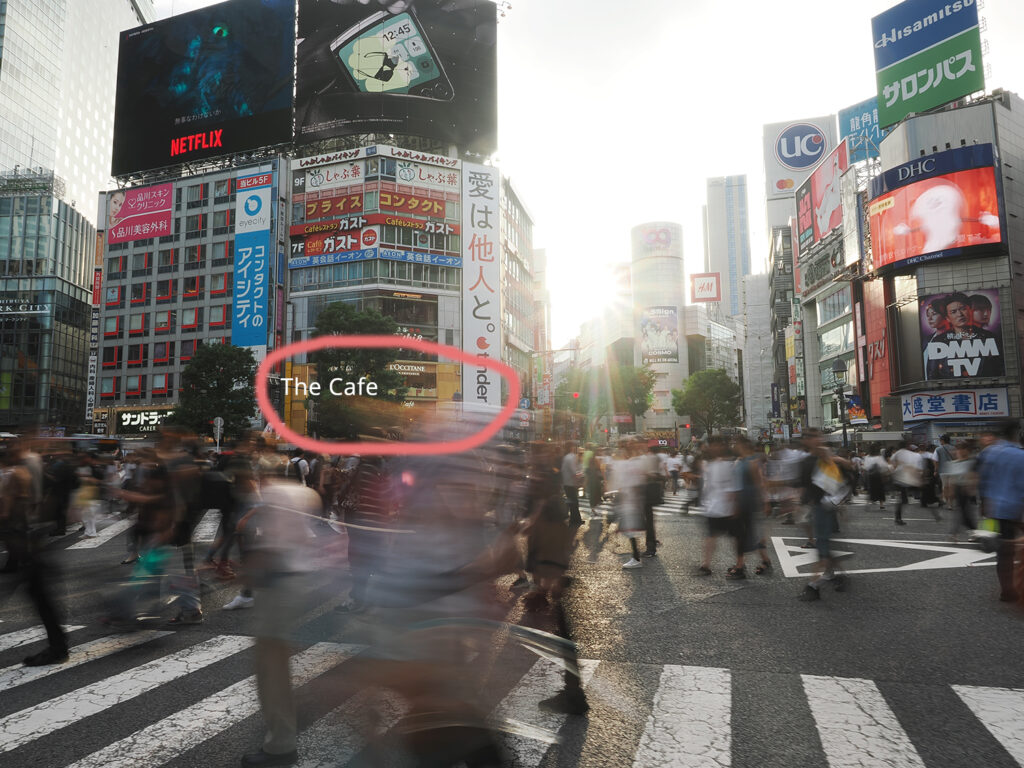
[[135, 355], [195, 255], [165, 289], [191, 318], [112, 326], [112, 357], [140, 263], [221, 221], [221, 189], [195, 225], [114, 296], [137, 324], [163, 384], [115, 267], [195, 194], [139, 293], [163, 353], [222, 253], [163, 321], [834, 305], [836, 340], [218, 316], [188, 348], [134, 386], [219, 284], [108, 386], [192, 288], [165, 261]]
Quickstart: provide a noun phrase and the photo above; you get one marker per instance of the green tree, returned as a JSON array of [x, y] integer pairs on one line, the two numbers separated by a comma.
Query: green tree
[[219, 381], [348, 417], [710, 398], [604, 390], [632, 389]]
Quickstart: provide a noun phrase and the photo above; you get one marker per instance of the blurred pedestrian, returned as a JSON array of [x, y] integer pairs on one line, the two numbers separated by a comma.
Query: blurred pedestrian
[[751, 509], [907, 468], [628, 480], [876, 469], [1001, 488], [825, 487], [719, 494], [961, 482], [572, 479]]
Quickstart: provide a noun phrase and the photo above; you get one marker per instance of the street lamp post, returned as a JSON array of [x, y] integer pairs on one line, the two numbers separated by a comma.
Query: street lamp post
[[839, 373]]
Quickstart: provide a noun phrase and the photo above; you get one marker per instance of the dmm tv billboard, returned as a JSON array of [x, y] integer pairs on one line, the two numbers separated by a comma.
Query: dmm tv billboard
[[211, 82], [936, 206], [427, 69], [927, 53]]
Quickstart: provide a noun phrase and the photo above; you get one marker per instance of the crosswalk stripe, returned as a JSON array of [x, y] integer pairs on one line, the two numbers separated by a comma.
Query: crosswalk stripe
[[544, 680], [340, 735], [164, 740], [26, 636], [689, 724], [104, 536], [999, 710], [16, 675], [856, 725], [206, 531], [29, 724]]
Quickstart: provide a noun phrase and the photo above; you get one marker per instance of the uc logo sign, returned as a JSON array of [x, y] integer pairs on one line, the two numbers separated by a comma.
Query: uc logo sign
[[253, 204], [800, 146]]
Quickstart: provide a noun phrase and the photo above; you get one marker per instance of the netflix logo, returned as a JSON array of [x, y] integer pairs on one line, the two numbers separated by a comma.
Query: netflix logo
[[196, 141]]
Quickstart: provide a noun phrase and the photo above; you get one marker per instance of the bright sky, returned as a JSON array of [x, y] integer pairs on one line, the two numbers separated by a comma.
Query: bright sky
[[614, 113]]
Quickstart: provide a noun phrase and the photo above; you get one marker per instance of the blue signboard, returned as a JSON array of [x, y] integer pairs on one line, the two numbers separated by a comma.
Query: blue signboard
[[389, 254], [914, 25], [939, 164], [861, 122], [250, 301]]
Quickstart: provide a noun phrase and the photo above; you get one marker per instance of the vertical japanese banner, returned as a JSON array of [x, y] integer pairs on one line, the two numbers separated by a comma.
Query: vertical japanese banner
[[481, 282], [251, 299]]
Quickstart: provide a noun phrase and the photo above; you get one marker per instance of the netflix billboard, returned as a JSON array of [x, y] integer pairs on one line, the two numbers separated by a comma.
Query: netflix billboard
[[941, 205], [211, 82]]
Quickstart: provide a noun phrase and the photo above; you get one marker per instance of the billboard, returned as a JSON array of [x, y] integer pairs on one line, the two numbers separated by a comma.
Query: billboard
[[211, 82], [960, 404], [819, 203], [481, 282], [138, 214], [427, 69], [927, 53], [860, 124], [250, 299], [935, 206], [706, 286], [962, 335], [659, 335], [792, 149]]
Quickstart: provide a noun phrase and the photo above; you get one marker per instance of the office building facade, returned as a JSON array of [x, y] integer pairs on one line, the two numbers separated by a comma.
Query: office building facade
[[727, 238]]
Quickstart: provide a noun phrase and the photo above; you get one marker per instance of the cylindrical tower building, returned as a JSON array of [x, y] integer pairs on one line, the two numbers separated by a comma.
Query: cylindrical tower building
[[657, 277]]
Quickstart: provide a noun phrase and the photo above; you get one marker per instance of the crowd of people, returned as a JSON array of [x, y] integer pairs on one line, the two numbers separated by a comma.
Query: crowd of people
[[421, 540]]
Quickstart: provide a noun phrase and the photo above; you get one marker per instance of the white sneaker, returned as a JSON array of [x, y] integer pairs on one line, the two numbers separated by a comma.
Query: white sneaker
[[240, 601], [632, 563]]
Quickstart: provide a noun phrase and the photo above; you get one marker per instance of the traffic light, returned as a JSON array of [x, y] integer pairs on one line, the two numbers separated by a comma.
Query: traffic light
[[575, 395], [686, 426]]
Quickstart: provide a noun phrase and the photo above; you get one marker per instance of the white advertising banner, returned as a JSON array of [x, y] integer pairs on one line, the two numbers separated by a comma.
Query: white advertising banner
[[958, 404], [481, 282], [792, 149]]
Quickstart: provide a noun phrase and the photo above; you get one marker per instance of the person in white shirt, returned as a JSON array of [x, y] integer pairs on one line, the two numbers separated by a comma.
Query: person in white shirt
[[907, 469], [674, 465], [628, 479], [719, 496], [572, 479], [876, 473]]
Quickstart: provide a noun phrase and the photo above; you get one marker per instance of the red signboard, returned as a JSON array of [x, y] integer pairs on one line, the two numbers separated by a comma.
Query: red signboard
[[337, 242], [942, 213], [254, 181], [97, 283], [875, 352], [396, 201], [706, 287]]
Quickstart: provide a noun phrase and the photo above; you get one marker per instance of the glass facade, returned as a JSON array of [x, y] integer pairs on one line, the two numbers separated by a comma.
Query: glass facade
[[46, 253]]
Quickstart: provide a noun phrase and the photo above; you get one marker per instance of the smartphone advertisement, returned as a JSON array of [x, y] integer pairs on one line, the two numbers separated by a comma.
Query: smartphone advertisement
[[211, 82], [420, 67]]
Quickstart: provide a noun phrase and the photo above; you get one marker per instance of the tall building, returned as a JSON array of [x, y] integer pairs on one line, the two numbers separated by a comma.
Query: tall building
[[57, 85], [757, 353], [57, 82], [727, 238], [518, 320], [658, 305]]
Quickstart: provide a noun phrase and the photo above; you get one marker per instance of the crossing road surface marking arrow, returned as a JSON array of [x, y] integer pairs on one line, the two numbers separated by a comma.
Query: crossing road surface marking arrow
[[792, 558]]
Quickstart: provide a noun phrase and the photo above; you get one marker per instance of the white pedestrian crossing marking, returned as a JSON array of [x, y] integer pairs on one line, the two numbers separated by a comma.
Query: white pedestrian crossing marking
[[856, 725], [544, 680], [340, 735], [206, 531], [690, 722], [1001, 711], [16, 675], [29, 724], [25, 636], [164, 740], [105, 535]]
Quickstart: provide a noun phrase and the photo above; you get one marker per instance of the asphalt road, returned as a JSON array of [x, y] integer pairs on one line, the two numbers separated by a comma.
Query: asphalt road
[[916, 664]]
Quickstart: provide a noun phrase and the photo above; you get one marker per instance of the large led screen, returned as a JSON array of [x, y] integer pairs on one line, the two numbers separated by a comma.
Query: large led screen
[[659, 335], [936, 206], [423, 67], [211, 82], [962, 335]]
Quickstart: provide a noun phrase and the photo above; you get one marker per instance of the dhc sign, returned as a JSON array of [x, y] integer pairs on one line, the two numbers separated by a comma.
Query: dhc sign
[[800, 146]]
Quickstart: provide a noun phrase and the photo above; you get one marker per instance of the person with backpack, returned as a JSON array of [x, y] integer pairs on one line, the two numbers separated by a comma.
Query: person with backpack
[[298, 468]]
